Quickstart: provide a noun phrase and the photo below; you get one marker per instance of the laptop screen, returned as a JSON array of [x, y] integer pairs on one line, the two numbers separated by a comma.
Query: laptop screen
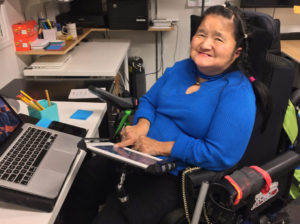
[[9, 121]]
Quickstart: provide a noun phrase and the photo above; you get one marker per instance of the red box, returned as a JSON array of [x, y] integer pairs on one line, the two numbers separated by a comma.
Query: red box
[[25, 29], [23, 44]]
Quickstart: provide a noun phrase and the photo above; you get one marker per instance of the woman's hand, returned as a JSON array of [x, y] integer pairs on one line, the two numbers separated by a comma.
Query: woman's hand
[[130, 134], [153, 147]]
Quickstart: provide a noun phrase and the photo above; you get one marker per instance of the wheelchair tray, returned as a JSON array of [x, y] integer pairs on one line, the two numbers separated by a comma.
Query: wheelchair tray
[[125, 155]]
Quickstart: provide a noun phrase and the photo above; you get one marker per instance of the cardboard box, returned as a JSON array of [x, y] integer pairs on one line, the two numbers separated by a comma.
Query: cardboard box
[[25, 29], [23, 44]]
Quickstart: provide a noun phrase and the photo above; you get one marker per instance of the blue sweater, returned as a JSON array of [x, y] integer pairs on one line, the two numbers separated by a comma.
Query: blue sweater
[[211, 127]]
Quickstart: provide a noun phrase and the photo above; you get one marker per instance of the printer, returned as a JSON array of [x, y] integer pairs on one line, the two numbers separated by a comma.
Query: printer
[[85, 13], [128, 14]]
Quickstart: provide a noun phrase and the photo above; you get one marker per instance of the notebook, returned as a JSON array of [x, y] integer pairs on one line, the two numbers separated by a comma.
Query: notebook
[[50, 61], [34, 161]]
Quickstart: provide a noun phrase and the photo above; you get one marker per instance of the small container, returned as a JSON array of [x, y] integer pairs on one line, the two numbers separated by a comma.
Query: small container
[[50, 113], [50, 34]]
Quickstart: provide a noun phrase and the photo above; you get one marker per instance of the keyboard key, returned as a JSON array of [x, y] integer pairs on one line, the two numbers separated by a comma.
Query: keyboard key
[[4, 176], [39, 158], [19, 178], [11, 177]]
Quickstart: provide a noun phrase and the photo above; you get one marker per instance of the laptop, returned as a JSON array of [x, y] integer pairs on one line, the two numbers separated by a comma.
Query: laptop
[[50, 61], [34, 161]]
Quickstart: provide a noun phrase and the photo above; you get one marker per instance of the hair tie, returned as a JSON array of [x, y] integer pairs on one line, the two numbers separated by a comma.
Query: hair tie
[[252, 79]]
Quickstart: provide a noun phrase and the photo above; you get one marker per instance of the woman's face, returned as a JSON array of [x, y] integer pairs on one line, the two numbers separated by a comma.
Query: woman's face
[[213, 47]]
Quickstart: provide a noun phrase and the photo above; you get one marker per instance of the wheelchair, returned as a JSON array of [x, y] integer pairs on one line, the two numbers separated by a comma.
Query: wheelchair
[[256, 193]]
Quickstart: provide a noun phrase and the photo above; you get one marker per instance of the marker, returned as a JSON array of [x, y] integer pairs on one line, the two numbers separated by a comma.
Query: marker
[[48, 21]]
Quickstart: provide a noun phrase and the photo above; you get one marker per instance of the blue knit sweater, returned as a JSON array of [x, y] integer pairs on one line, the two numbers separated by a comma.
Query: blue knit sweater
[[211, 127]]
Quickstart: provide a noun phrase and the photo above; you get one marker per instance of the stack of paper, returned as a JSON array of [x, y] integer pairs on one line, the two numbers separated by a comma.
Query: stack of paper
[[50, 61], [39, 44], [162, 23]]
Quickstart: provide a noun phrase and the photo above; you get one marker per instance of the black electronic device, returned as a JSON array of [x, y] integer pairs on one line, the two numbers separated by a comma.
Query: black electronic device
[[87, 7], [85, 13], [128, 14], [137, 77], [99, 21], [267, 3]]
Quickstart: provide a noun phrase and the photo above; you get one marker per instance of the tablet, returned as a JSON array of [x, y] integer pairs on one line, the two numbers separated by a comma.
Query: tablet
[[124, 154]]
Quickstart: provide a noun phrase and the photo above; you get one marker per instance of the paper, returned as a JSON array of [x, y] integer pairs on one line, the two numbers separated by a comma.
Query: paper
[[81, 94], [82, 114], [44, 122], [198, 3]]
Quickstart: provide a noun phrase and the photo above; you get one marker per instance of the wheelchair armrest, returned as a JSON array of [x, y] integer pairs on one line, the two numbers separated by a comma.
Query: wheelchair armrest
[[194, 178], [225, 193]]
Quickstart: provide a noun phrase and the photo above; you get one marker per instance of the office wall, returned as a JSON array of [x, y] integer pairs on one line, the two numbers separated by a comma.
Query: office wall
[[11, 65], [175, 43]]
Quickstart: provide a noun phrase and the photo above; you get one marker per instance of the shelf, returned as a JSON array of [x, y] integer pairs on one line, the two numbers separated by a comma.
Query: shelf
[[70, 44]]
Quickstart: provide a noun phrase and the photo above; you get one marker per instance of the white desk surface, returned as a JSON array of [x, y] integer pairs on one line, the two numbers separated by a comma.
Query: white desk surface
[[13, 214], [96, 58], [66, 109]]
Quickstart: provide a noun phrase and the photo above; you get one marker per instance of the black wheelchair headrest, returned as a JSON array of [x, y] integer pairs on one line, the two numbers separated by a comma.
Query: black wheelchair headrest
[[270, 26]]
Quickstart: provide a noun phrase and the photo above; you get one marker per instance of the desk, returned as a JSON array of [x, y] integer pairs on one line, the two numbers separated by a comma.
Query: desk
[[98, 58], [59, 88], [66, 109], [291, 48]]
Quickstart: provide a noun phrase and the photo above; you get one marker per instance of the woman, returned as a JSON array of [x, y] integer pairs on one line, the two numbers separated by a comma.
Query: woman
[[201, 112]]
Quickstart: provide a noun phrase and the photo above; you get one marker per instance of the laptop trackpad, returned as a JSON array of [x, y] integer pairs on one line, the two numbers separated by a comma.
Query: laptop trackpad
[[57, 161]]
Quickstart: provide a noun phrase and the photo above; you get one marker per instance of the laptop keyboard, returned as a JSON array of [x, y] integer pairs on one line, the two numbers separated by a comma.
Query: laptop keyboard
[[21, 162]]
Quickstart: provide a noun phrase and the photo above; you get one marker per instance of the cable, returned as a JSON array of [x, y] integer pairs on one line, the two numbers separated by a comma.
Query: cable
[[176, 42], [161, 59], [273, 12]]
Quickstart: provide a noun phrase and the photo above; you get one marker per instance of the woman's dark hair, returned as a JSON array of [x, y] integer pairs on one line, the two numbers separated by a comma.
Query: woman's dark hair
[[243, 62]]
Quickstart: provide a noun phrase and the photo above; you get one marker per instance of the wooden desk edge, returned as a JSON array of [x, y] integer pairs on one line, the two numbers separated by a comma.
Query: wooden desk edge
[[291, 48]]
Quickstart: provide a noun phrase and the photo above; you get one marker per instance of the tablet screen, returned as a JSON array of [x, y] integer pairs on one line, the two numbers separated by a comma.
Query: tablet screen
[[128, 154]]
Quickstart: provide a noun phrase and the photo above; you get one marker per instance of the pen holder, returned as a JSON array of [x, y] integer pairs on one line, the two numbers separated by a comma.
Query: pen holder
[[50, 34], [50, 113]]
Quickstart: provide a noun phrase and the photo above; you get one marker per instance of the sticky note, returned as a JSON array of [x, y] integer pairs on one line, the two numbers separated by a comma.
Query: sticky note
[[297, 9], [81, 114], [43, 122]]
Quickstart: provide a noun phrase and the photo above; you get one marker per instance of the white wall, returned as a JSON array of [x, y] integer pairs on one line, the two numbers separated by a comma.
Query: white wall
[[11, 66], [175, 43]]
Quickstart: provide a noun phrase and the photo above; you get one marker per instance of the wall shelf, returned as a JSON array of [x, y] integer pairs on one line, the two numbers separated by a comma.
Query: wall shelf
[[70, 44]]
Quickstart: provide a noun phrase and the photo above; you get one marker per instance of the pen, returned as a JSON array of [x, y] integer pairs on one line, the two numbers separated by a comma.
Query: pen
[[32, 100], [48, 98]]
